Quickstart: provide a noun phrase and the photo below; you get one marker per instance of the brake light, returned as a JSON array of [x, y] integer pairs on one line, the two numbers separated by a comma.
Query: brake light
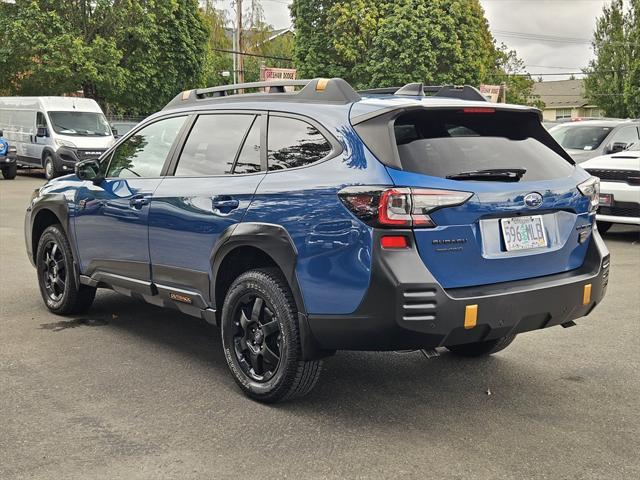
[[591, 189], [399, 207], [478, 110]]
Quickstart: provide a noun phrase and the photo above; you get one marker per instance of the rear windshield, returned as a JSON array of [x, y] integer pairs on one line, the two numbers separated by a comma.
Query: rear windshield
[[448, 143], [580, 137]]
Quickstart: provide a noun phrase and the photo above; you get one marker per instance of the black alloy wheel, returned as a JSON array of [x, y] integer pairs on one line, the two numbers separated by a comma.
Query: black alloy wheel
[[261, 338], [257, 338], [54, 271], [57, 277]]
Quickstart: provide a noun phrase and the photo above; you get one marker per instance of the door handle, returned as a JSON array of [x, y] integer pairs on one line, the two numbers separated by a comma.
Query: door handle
[[138, 201], [224, 202]]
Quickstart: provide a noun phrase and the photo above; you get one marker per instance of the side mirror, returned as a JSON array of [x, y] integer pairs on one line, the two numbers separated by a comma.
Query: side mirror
[[114, 131], [617, 147], [42, 132], [89, 170]]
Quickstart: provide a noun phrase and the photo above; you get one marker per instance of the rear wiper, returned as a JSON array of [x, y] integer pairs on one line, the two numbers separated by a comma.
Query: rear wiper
[[497, 174]]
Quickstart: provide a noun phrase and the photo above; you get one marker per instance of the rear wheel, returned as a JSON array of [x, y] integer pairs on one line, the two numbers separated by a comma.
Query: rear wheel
[[481, 349], [603, 227], [57, 277], [10, 172], [261, 339]]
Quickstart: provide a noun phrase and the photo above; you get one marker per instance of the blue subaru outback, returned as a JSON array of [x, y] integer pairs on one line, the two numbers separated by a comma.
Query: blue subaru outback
[[307, 218]]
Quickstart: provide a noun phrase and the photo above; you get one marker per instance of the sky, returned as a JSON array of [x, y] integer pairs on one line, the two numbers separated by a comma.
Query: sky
[[561, 29]]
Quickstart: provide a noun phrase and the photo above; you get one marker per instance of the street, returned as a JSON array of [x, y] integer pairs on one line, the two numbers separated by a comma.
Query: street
[[133, 391]]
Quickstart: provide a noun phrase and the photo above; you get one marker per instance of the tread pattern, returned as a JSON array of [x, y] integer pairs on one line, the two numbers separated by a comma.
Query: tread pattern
[[299, 376]]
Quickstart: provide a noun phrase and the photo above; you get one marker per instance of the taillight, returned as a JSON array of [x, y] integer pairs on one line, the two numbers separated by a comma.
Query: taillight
[[399, 207], [591, 189]]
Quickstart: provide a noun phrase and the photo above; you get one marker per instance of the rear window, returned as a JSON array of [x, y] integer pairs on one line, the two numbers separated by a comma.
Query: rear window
[[446, 143]]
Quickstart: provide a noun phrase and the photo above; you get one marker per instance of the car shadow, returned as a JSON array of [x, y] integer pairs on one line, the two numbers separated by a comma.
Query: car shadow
[[623, 233], [355, 388]]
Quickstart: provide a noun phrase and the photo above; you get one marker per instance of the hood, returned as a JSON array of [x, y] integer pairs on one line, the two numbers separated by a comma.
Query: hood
[[88, 143], [629, 160], [580, 156]]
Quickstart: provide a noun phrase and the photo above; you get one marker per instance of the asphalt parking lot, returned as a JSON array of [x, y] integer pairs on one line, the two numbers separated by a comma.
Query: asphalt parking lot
[[132, 391]]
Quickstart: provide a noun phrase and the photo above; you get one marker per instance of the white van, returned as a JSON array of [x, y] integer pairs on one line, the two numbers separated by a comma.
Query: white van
[[54, 132]]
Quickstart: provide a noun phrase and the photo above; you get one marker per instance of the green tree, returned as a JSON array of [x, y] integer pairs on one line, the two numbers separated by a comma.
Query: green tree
[[384, 42], [510, 70], [613, 80], [132, 56]]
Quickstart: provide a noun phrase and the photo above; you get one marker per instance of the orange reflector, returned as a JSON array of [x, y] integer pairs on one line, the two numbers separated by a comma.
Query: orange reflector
[[586, 295], [322, 84], [470, 316], [394, 241]]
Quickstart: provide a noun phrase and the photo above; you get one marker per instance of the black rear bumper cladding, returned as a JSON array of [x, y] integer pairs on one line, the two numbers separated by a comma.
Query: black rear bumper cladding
[[405, 307]]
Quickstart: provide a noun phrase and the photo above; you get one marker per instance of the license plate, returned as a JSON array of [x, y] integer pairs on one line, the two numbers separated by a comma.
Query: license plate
[[606, 199], [522, 233]]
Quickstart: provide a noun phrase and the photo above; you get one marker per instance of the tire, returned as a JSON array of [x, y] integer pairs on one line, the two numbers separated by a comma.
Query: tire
[[482, 349], [10, 172], [57, 276], [603, 227], [49, 167], [261, 339]]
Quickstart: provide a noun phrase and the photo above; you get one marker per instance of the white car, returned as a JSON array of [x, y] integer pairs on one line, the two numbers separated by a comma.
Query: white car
[[619, 175]]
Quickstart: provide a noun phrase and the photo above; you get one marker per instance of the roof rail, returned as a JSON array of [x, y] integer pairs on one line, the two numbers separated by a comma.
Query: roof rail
[[462, 92], [319, 90]]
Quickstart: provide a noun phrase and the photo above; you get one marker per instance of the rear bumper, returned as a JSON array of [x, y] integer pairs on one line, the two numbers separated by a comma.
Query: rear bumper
[[405, 307]]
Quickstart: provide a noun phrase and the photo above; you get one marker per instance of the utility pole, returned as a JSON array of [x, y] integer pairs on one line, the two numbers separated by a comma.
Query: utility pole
[[240, 60]]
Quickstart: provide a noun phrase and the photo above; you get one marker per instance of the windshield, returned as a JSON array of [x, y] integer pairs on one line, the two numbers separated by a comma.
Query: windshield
[[580, 137], [80, 123]]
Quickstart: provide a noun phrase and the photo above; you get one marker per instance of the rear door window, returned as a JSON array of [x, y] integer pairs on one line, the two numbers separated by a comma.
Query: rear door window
[[446, 143], [294, 143], [213, 144]]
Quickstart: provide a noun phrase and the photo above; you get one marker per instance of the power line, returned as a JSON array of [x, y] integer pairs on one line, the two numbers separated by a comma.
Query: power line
[[251, 54]]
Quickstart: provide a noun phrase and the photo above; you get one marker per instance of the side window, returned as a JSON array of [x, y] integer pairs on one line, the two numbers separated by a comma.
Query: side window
[[294, 143], [143, 154], [625, 135], [40, 120], [213, 144], [249, 159]]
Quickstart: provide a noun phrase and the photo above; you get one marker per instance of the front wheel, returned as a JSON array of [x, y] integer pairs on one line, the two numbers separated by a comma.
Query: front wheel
[[481, 349], [49, 167], [261, 339], [57, 277], [10, 172]]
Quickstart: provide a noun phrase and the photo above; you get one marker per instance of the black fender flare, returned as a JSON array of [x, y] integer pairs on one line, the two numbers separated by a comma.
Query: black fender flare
[[54, 155], [275, 241], [272, 239], [58, 205]]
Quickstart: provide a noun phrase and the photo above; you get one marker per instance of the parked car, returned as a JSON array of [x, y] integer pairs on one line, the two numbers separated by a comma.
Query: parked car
[[121, 128], [54, 132], [326, 219], [591, 138], [7, 158], [619, 187]]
